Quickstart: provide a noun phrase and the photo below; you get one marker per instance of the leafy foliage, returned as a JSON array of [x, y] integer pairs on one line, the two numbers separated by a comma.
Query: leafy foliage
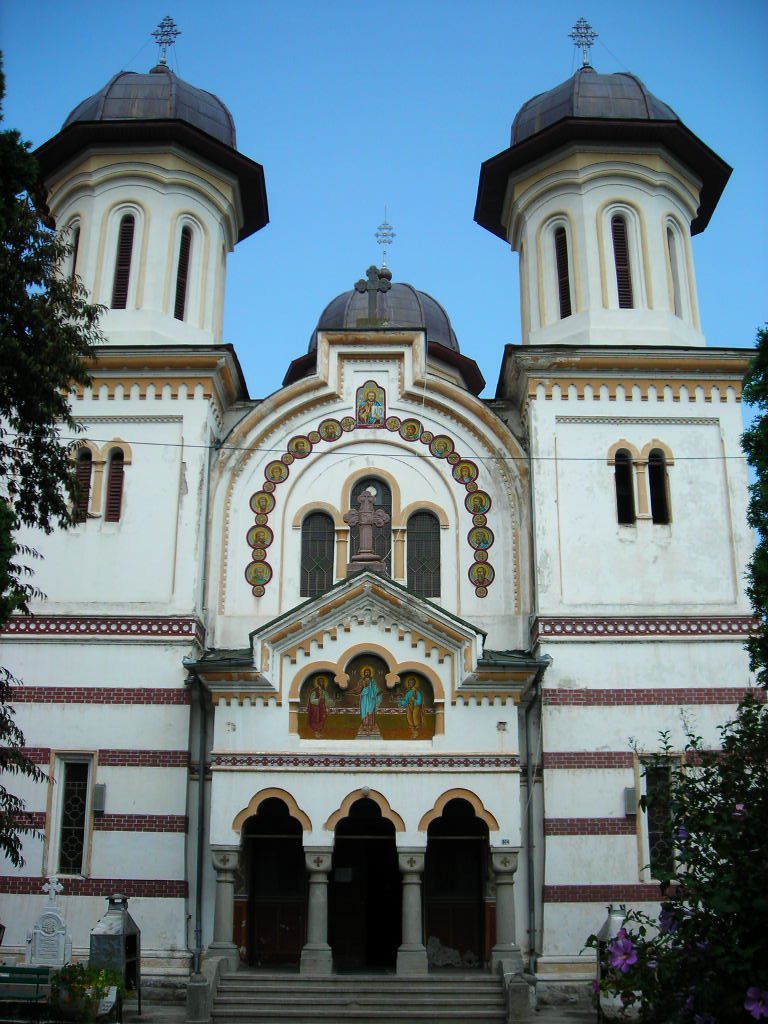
[[47, 329], [755, 444], [706, 953]]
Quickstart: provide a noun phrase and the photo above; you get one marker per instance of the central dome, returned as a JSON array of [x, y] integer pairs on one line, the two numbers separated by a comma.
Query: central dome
[[401, 305], [157, 96]]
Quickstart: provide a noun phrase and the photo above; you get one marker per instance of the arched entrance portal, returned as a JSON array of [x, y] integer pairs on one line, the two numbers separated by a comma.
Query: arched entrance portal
[[273, 875], [365, 891], [455, 873]]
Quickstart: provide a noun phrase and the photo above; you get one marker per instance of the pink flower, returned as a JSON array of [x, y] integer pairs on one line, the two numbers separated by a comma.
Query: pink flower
[[756, 1002], [595, 986], [739, 811]]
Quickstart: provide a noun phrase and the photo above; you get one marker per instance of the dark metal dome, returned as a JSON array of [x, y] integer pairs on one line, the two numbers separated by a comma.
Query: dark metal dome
[[401, 306], [159, 95], [587, 94]]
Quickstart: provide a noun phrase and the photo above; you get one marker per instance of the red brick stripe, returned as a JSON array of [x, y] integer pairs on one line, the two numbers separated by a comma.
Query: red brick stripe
[[99, 695], [589, 827], [30, 884], [591, 759], [674, 695], [31, 819], [140, 823], [123, 758], [650, 893]]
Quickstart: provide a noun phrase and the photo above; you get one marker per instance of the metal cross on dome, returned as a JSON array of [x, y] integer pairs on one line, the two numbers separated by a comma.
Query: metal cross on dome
[[385, 236], [583, 37], [165, 35]]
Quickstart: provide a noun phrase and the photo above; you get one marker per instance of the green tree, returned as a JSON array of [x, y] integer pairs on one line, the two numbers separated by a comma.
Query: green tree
[[755, 444], [47, 330]]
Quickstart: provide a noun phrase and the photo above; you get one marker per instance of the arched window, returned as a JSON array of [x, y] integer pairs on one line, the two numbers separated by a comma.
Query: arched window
[[83, 468], [74, 241], [123, 262], [563, 277], [621, 260], [382, 535], [424, 554], [114, 503], [182, 272], [317, 554], [674, 266], [625, 494], [658, 487]]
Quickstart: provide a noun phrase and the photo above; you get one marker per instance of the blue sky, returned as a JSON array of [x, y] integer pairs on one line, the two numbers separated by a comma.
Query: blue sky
[[352, 107]]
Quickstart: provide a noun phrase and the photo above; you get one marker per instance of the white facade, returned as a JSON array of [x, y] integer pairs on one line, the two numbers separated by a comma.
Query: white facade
[[590, 524]]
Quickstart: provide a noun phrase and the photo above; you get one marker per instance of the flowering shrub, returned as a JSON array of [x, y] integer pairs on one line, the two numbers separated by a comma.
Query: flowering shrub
[[82, 980], [704, 959]]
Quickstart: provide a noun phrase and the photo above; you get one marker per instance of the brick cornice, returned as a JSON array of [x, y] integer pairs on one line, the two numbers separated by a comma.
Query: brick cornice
[[108, 627], [641, 627]]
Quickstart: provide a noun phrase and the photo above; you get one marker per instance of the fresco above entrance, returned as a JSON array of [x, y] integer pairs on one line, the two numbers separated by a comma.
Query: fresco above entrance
[[367, 709]]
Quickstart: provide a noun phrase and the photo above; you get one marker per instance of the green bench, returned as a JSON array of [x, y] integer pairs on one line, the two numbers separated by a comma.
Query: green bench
[[25, 984]]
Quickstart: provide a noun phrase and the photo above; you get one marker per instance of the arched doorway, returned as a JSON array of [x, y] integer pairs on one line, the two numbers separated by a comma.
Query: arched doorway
[[455, 873], [274, 877], [365, 891]]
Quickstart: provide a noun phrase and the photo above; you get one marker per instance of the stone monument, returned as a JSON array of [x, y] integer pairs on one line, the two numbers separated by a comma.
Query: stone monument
[[49, 943]]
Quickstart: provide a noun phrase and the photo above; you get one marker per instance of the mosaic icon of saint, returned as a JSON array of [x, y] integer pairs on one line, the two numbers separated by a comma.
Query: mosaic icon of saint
[[413, 702]]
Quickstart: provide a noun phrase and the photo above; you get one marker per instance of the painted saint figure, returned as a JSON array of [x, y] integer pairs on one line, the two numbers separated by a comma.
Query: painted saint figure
[[413, 702], [370, 411], [317, 705], [370, 699]]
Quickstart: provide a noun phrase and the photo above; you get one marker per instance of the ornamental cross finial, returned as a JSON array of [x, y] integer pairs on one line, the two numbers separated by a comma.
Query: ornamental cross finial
[[385, 236], [374, 284], [165, 36], [583, 37], [366, 517]]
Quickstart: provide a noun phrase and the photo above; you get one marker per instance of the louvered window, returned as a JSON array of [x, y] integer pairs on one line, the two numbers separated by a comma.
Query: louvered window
[[114, 487], [182, 273], [563, 279], [658, 486], [621, 259], [424, 554], [317, 554], [625, 495], [123, 262], [382, 535], [674, 267], [75, 243], [83, 468]]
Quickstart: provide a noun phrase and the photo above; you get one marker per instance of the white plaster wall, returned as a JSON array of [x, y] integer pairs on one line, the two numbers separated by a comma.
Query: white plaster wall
[[135, 855], [591, 860], [586, 562], [586, 793]]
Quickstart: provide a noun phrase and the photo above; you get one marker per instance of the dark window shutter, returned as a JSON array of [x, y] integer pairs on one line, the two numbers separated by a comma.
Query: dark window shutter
[[75, 243], [123, 262], [114, 488], [182, 273], [424, 554], [657, 485], [563, 281], [83, 469], [625, 494], [318, 542], [382, 535], [621, 258]]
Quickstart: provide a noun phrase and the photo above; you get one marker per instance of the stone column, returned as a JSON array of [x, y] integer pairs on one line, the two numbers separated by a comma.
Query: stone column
[[506, 951], [412, 954], [316, 955], [225, 859]]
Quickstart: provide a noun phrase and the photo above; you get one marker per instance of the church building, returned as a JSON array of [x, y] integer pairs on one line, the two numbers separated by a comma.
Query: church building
[[358, 676]]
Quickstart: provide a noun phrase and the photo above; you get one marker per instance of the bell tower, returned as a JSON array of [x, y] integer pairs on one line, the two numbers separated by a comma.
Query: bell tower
[[599, 194], [146, 180]]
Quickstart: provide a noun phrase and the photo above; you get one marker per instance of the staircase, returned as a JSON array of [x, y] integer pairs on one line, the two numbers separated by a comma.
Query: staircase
[[253, 997]]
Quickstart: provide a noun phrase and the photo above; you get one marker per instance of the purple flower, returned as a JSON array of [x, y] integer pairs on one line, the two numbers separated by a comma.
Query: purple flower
[[595, 986], [756, 1002], [703, 1018], [668, 921], [681, 832], [622, 953], [739, 811]]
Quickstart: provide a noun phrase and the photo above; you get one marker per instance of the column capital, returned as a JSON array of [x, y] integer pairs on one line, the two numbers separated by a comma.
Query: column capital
[[504, 861], [410, 861], [318, 858], [225, 858]]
